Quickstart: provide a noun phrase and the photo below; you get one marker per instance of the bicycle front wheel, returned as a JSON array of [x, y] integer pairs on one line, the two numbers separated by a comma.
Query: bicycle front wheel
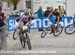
[[70, 29], [44, 33], [15, 34], [22, 40], [58, 30], [28, 41]]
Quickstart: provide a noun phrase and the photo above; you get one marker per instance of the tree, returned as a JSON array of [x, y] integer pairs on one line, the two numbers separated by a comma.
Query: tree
[[14, 3]]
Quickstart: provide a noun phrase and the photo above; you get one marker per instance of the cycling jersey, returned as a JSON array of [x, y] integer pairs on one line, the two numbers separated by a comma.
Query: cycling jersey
[[25, 19]]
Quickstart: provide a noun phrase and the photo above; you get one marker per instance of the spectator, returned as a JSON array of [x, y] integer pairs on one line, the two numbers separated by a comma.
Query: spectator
[[52, 10], [64, 10], [61, 11], [47, 12], [56, 12], [2, 29], [29, 11], [39, 12], [40, 15]]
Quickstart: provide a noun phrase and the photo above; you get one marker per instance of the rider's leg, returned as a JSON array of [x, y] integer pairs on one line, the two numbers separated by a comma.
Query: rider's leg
[[57, 21], [21, 26]]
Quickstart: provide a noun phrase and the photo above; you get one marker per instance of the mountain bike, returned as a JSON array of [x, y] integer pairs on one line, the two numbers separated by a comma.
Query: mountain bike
[[23, 36], [52, 29]]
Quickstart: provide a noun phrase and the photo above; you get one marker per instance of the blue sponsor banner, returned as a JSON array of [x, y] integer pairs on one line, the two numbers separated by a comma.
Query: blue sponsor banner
[[11, 24], [68, 20], [41, 22]]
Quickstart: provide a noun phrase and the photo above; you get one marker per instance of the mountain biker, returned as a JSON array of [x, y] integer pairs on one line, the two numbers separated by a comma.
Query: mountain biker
[[24, 22], [57, 14]]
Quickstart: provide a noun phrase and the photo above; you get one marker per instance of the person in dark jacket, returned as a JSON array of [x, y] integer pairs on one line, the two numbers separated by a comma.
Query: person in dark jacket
[[47, 12], [2, 33]]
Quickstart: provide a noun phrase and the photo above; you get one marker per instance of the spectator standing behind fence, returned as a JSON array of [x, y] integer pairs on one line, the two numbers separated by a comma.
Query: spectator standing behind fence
[[40, 15], [47, 12], [2, 30], [29, 11], [62, 11], [39, 12]]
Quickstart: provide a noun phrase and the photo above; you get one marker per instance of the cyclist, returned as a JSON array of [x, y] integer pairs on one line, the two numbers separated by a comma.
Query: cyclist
[[24, 22], [59, 13], [56, 13]]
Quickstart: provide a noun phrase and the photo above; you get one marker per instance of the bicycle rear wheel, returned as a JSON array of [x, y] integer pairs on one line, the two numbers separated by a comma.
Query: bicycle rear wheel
[[28, 41], [70, 29], [58, 30]]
